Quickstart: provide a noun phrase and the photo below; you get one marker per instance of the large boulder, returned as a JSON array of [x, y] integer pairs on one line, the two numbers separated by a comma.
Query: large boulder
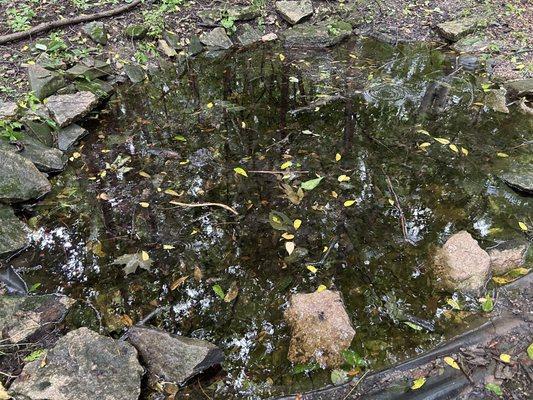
[[472, 44], [21, 317], [321, 328], [46, 159], [324, 34], [294, 11], [20, 180], [13, 232], [44, 82], [173, 358], [457, 29], [68, 108], [507, 256], [83, 365], [461, 264], [216, 39]]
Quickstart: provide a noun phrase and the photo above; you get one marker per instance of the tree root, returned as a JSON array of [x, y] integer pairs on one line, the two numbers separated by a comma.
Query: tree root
[[47, 26]]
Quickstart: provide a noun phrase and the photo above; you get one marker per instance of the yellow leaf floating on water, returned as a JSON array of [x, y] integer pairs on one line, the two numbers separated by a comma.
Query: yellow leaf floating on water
[[502, 155], [289, 246], [424, 145], [451, 362], [240, 171], [423, 132], [522, 226], [312, 269], [464, 151], [343, 178], [338, 157], [418, 383], [334, 194], [286, 164], [171, 192], [321, 288], [454, 148], [287, 236], [144, 174], [281, 57], [168, 247], [506, 358], [391, 202], [145, 256], [210, 105], [442, 140], [349, 203], [144, 205], [297, 223]]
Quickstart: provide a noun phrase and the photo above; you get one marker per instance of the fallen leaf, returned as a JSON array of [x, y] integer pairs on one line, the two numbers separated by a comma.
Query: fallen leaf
[[423, 132], [171, 192], [487, 304], [451, 362], [391, 202], [343, 178], [502, 155], [144, 204], [464, 151], [339, 376], [281, 57], [178, 282], [133, 261], [168, 247], [312, 269], [289, 246], [3, 393], [210, 105], [218, 291], [522, 226], [338, 157], [233, 291], [35, 355], [297, 223], [287, 236], [240, 171], [286, 164], [496, 389], [442, 140], [312, 183], [321, 288], [349, 203], [413, 326], [454, 148], [506, 358], [424, 145], [418, 383], [530, 351]]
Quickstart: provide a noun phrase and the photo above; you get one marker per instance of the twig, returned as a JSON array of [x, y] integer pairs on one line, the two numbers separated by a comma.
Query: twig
[[277, 172], [324, 257], [202, 389], [47, 26], [177, 203], [355, 386], [399, 208], [143, 321]]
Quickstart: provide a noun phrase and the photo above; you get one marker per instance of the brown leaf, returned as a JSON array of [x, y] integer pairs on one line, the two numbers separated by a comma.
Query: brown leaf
[[232, 293], [178, 282], [198, 274]]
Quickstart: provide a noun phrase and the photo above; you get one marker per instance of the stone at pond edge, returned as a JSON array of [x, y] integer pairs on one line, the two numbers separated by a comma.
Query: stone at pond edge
[[90, 68], [21, 317], [43, 82], [136, 31], [507, 256], [472, 44], [46, 159], [321, 329], [216, 39], [67, 137], [173, 358], [323, 34], [68, 108], [20, 180], [461, 264], [519, 176], [97, 31], [248, 35], [294, 11], [135, 73], [520, 87], [13, 232], [195, 46], [457, 29], [495, 99], [8, 109], [83, 365]]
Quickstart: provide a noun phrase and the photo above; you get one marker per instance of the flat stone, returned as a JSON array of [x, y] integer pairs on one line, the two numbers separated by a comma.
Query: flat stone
[[46, 159], [321, 328], [520, 87], [457, 29], [90, 68], [248, 35], [461, 264], [495, 99], [507, 256], [472, 44], [173, 358], [68, 108], [21, 317], [97, 31], [20, 180], [195, 46], [216, 39], [136, 31], [44, 82], [243, 13], [83, 365], [98, 87], [8, 109], [135, 73], [13, 232], [39, 130], [269, 37], [323, 34], [166, 49], [294, 11], [173, 40], [519, 176], [69, 136]]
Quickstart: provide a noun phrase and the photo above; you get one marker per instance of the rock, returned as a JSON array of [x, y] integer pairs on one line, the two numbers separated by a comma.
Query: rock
[[67, 108], [195, 46], [173, 40], [39, 130], [294, 11], [13, 232], [43, 82], [216, 39], [323, 34], [495, 100], [166, 49], [135, 73], [20, 180], [21, 317], [69, 136], [83, 365], [173, 358], [507, 256], [248, 36], [243, 13], [519, 176], [457, 29], [136, 31], [8, 110], [461, 264], [269, 37], [97, 31], [321, 328], [90, 68], [98, 87], [472, 44], [520, 87], [523, 108], [469, 62], [46, 159]]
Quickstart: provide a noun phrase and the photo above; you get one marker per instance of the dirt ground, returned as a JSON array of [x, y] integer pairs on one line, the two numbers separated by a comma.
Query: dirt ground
[[508, 25]]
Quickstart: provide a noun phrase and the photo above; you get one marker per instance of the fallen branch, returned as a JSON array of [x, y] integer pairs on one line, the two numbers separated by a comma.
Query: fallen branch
[[177, 203], [47, 26], [399, 208]]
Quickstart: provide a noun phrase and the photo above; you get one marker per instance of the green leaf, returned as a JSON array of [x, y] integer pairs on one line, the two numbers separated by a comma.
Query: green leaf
[[339, 376], [219, 291], [487, 304], [311, 184], [34, 355], [414, 326], [180, 138], [301, 368], [280, 221], [240, 171], [34, 287], [496, 389], [354, 359], [530, 351]]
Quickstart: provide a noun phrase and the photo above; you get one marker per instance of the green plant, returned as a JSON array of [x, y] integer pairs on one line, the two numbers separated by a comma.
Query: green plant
[[144, 52], [229, 24], [10, 130], [18, 19], [154, 18]]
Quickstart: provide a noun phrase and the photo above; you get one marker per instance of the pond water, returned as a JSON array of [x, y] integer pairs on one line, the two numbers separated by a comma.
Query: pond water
[[285, 117]]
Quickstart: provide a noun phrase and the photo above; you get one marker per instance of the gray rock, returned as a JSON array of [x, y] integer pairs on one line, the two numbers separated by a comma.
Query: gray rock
[[216, 39], [472, 44], [173, 40], [68, 108], [21, 317], [294, 11], [44, 82], [520, 87], [97, 31], [461, 264], [13, 232], [248, 35], [20, 180], [243, 13], [269, 37], [83, 365], [173, 358], [320, 328], [519, 176], [323, 34], [136, 31], [135, 73], [166, 49], [507, 256], [495, 100], [90, 68], [69, 136], [98, 87], [195, 46], [46, 159], [40, 131], [457, 29], [8, 109]]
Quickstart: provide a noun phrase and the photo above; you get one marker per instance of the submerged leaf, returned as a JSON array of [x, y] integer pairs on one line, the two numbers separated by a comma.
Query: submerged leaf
[[413, 326], [312, 183], [442, 140], [338, 157], [133, 261], [286, 164], [339, 376], [349, 203], [454, 148], [289, 246], [279, 221], [343, 178], [240, 171], [451, 362], [321, 288], [353, 358], [297, 223], [494, 388], [522, 226], [506, 358], [418, 383], [312, 269], [233, 291], [218, 291]]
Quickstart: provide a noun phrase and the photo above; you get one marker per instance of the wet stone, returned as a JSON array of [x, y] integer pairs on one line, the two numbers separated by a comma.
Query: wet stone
[[44, 82], [320, 328], [68, 108], [457, 29], [46, 159], [294, 11], [507, 256], [135, 73], [98, 87], [248, 36], [173, 40], [13, 232], [472, 44], [323, 34], [83, 365], [216, 39], [520, 87], [40, 131], [69, 136], [195, 46], [173, 358], [22, 317], [8, 109], [96, 31], [461, 264], [495, 99], [519, 176], [20, 180], [90, 69]]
